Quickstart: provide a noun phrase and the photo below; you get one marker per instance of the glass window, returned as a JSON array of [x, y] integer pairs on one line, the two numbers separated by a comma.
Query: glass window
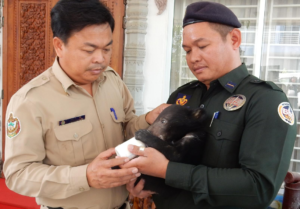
[[270, 47]]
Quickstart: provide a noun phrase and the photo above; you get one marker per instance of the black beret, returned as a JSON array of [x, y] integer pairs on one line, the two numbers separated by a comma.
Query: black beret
[[210, 12]]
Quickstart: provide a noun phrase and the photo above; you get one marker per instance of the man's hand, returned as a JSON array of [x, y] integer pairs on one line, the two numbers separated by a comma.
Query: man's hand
[[137, 191], [150, 161], [152, 115], [101, 176]]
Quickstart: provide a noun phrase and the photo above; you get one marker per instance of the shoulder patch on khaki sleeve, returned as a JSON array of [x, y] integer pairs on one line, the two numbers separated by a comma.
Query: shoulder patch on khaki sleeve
[[286, 113], [13, 126]]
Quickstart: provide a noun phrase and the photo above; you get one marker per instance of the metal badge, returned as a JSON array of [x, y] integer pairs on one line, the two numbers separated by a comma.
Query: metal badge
[[13, 126], [234, 102], [286, 113]]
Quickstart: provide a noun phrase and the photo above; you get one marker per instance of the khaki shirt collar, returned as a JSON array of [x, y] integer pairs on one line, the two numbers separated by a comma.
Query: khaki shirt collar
[[65, 80], [231, 80]]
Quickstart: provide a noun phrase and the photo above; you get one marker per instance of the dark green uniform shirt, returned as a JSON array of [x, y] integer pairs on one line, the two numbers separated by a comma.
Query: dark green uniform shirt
[[248, 150]]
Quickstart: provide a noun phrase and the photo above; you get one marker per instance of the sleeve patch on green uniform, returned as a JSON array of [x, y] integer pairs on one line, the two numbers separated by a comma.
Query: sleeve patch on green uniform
[[286, 113]]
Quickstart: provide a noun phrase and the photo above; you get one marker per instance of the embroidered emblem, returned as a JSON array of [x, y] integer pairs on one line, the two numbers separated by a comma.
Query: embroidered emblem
[[182, 99], [234, 102], [286, 113], [230, 85], [13, 126]]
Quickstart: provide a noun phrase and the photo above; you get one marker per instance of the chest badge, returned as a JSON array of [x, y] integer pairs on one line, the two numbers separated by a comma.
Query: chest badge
[[182, 99], [286, 113], [234, 102], [13, 126]]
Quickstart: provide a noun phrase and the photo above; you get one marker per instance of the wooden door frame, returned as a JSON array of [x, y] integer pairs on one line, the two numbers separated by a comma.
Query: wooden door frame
[[118, 37], [4, 76]]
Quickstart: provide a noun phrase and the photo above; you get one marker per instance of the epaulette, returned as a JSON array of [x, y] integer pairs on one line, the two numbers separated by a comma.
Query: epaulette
[[273, 86], [191, 84], [268, 83], [35, 82]]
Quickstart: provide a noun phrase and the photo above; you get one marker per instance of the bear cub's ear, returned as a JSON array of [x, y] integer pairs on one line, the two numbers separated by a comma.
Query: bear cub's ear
[[199, 114]]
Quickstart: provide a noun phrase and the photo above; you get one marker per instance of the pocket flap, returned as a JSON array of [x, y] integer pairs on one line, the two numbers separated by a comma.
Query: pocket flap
[[224, 130], [73, 131]]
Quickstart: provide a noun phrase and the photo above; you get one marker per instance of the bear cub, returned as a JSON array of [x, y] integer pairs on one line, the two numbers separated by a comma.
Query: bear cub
[[178, 133]]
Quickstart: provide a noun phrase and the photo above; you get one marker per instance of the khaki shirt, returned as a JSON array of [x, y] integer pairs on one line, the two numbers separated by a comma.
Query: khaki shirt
[[48, 148]]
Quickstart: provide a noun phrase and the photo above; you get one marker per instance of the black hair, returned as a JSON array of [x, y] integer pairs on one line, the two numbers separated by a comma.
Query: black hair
[[223, 30], [69, 16]]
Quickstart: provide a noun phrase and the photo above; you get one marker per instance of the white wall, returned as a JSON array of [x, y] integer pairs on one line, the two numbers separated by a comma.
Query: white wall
[[158, 54]]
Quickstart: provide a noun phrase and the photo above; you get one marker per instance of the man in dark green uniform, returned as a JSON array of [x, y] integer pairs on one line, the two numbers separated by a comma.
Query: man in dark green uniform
[[251, 127]]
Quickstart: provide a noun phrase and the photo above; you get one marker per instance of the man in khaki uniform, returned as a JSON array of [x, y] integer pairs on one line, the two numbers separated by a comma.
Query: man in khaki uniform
[[62, 126]]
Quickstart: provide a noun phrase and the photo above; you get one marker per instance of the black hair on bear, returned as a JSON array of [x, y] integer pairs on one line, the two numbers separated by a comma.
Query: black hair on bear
[[178, 133]]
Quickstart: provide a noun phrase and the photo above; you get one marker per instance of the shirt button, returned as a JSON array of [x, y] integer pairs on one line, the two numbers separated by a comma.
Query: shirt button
[[75, 135], [102, 125], [219, 133], [44, 78], [202, 106], [81, 189]]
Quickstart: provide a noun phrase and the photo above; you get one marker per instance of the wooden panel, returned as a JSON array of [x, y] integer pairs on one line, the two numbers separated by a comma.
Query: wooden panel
[[27, 45], [31, 41], [117, 9]]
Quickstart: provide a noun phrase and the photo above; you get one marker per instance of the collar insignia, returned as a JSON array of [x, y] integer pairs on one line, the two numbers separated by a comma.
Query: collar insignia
[[230, 85], [234, 102], [286, 113], [182, 99], [13, 126]]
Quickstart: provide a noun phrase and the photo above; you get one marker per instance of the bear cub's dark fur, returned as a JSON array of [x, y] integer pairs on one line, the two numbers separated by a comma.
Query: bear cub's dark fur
[[178, 133]]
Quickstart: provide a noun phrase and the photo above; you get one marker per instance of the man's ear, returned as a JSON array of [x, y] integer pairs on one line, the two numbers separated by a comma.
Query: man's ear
[[235, 38], [58, 45]]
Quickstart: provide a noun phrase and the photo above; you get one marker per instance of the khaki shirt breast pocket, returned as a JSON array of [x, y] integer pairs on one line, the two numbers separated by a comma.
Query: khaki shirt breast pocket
[[117, 125], [70, 139], [222, 148]]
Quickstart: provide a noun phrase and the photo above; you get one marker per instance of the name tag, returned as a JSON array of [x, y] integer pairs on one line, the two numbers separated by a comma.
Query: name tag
[[71, 120]]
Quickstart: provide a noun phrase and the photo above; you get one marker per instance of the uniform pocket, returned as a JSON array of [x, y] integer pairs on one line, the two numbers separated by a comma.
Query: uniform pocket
[[222, 148], [69, 139], [225, 130], [117, 115]]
